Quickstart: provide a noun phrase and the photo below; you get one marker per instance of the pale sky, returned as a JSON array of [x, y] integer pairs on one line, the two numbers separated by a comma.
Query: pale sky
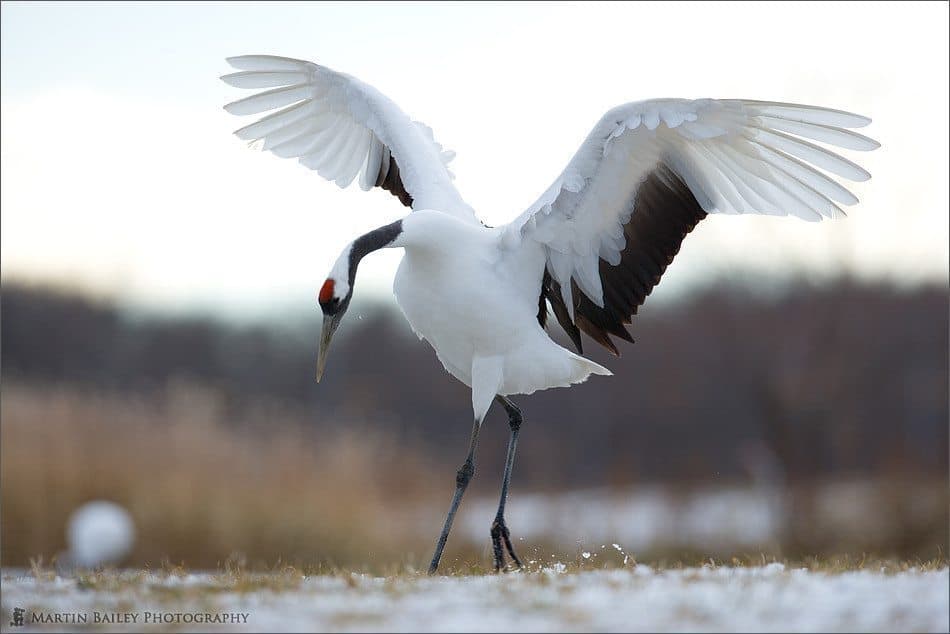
[[121, 175]]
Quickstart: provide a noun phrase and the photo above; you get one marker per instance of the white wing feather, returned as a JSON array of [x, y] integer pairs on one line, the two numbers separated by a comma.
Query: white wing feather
[[736, 157], [343, 128]]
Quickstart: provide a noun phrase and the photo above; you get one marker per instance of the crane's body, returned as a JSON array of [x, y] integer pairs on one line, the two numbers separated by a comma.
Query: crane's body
[[476, 303], [592, 247]]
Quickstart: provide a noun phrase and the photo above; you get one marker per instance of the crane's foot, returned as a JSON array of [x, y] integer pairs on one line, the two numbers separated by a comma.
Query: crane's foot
[[499, 534]]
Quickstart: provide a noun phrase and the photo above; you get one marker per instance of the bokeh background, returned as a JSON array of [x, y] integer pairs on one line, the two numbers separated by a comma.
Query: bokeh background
[[787, 394]]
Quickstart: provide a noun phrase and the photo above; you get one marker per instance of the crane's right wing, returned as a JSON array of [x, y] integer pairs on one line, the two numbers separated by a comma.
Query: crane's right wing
[[649, 171], [335, 124]]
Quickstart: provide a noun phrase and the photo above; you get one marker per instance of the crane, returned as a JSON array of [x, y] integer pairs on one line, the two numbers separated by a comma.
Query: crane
[[593, 246]]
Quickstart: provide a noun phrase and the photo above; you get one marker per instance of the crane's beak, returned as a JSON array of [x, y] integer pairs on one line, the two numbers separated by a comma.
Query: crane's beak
[[330, 322]]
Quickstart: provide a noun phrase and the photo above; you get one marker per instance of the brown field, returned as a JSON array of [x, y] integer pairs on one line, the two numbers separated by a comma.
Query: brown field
[[200, 490], [206, 491]]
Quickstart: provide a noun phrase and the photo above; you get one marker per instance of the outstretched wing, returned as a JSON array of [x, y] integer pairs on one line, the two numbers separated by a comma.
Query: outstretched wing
[[649, 171], [335, 124]]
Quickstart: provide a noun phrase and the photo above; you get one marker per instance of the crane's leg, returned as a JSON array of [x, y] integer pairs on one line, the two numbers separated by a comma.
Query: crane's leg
[[499, 531], [462, 478]]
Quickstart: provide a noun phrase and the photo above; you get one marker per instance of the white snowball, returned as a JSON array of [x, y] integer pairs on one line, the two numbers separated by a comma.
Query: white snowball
[[99, 533]]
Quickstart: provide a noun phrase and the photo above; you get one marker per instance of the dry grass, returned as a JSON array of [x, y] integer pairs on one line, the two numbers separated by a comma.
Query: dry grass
[[199, 488], [235, 577], [273, 495]]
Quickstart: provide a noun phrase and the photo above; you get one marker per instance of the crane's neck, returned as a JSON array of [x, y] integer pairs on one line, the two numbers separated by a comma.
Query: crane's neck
[[345, 268]]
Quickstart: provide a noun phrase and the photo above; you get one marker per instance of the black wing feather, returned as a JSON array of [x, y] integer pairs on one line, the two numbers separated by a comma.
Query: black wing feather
[[388, 178], [664, 212]]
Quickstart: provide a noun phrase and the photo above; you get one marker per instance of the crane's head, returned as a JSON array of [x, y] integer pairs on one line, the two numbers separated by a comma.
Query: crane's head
[[334, 297], [337, 290]]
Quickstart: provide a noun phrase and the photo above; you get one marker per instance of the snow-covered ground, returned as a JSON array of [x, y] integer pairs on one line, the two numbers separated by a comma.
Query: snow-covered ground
[[768, 598]]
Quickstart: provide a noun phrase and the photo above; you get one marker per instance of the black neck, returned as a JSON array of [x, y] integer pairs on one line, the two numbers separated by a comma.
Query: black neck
[[372, 241]]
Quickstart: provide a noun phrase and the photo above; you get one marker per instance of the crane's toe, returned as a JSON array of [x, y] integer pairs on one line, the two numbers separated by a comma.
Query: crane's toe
[[500, 534]]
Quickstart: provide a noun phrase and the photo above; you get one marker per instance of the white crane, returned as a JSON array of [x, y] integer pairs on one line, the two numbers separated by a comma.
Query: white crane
[[593, 246]]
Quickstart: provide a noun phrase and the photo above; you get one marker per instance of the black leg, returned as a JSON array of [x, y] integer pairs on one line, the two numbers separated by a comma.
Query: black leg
[[462, 478], [499, 531]]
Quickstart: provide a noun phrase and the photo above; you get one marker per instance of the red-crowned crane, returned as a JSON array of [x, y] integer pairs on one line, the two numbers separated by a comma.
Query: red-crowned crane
[[593, 246]]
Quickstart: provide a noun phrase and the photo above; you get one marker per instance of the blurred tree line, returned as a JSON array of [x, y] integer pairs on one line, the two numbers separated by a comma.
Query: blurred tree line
[[843, 379]]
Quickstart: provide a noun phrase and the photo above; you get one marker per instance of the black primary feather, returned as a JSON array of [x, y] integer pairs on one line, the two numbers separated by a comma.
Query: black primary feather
[[664, 212]]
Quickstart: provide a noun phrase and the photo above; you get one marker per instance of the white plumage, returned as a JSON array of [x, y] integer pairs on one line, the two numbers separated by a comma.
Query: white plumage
[[477, 305], [733, 155], [593, 245], [339, 126]]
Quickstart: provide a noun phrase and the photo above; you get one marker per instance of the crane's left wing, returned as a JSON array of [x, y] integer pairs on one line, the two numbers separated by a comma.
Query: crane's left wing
[[649, 171], [335, 124]]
